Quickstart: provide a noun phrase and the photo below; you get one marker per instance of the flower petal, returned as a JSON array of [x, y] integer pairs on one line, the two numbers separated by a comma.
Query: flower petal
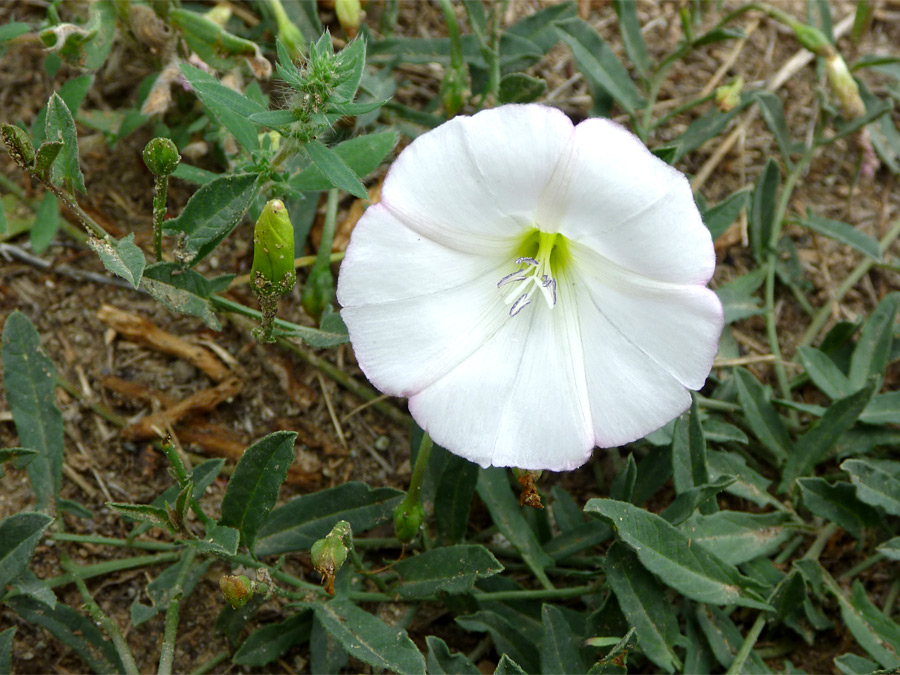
[[525, 399], [630, 394], [473, 181], [386, 261], [617, 198], [675, 325]]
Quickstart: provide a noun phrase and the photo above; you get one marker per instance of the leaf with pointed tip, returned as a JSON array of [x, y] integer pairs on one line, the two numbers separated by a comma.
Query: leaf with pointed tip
[[877, 483], [440, 661], [19, 534], [449, 569], [122, 257]]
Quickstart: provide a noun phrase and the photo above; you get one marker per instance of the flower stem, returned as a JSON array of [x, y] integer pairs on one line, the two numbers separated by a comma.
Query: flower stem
[[110, 566], [737, 665], [161, 186], [418, 474], [102, 620], [111, 541], [167, 653]]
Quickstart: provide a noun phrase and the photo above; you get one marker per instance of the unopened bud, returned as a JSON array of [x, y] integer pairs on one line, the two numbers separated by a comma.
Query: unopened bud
[[18, 144], [453, 89], [408, 518], [272, 274], [288, 33], [349, 14], [729, 95], [529, 496], [812, 39], [237, 590], [844, 86], [328, 554], [161, 156]]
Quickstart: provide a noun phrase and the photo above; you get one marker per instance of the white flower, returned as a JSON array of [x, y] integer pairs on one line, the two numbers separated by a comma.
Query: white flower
[[535, 288]]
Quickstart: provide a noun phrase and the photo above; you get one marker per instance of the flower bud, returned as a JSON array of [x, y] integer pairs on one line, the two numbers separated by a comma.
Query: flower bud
[[18, 144], [288, 33], [812, 39], [408, 518], [237, 590], [349, 14], [328, 554], [272, 274], [729, 95], [453, 89], [844, 86], [161, 156], [529, 496]]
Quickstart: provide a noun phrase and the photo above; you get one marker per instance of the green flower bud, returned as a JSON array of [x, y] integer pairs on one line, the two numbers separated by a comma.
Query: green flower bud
[[454, 87], [408, 518], [328, 554], [161, 156], [272, 274], [18, 144], [349, 14], [288, 33], [729, 95], [237, 590]]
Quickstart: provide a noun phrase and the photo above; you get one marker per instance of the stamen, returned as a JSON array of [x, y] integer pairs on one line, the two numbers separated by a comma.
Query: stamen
[[530, 261], [518, 305], [509, 278], [533, 275]]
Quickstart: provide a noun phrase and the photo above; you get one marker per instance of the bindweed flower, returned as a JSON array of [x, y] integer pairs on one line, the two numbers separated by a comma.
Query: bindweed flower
[[535, 288]]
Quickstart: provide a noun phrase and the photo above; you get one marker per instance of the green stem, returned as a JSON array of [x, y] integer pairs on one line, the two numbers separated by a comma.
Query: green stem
[[891, 598], [456, 53], [102, 620], [815, 550], [181, 475], [713, 404], [680, 109], [89, 223], [111, 541], [824, 312], [167, 654], [110, 566], [418, 475], [536, 594], [212, 663], [161, 186], [737, 666], [862, 566]]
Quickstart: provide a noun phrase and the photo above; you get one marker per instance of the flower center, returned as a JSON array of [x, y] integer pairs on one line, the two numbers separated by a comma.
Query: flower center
[[534, 273]]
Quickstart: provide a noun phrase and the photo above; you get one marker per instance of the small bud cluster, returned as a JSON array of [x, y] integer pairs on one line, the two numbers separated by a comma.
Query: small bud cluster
[[328, 554]]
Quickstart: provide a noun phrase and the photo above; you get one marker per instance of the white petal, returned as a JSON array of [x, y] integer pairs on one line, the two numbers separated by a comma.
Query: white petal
[[675, 325], [386, 261], [630, 394], [617, 198], [476, 179], [520, 400], [404, 345]]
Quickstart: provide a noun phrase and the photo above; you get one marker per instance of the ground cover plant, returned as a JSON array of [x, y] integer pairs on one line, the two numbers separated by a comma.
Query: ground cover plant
[[197, 475]]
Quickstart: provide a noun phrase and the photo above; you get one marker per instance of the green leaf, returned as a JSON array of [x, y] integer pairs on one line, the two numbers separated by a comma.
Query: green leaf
[[369, 639], [253, 488], [506, 666], [615, 662], [688, 501], [559, 651], [60, 126], [454, 489], [707, 126], [846, 234], [30, 381], [121, 257], [521, 88], [737, 537], [689, 468], [219, 540], [643, 601], [719, 217], [10, 31], [274, 118], [508, 638], [890, 549], [46, 223], [72, 93], [212, 213], [725, 639], [761, 416], [883, 409], [873, 350], [71, 628], [762, 211], [874, 632], [494, 490], [194, 174], [46, 155], [824, 372], [3, 228], [838, 503], [23, 455], [156, 516], [450, 569], [350, 63], [180, 290], [6, 637], [599, 65], [814, 445], [335, 169], [326, 655], [227, 106], [632, 37], [773, 113], [273, 640], [877, 483], [103, 19], [297, 525], [160, 589], [854, 664], [19, 534], [663, 550], [362, 154], [737, 296], [440, 661]]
